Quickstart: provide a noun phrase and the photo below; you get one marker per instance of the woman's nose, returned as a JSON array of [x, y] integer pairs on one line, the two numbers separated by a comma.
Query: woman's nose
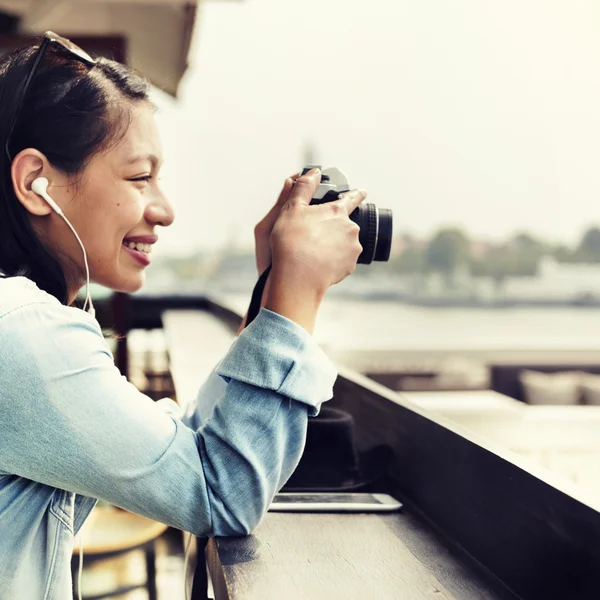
[[159, 210]]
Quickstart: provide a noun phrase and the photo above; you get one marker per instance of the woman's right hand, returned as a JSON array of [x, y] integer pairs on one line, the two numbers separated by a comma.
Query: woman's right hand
[[313, 247]]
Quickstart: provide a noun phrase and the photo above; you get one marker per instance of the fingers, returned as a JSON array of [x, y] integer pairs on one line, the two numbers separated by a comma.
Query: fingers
[[351, 200], [267, 222], [300, 189], [304, 187], [287, 188]]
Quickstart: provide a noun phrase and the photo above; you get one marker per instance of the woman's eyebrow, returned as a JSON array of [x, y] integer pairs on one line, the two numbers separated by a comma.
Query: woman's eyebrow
[[154, 160]]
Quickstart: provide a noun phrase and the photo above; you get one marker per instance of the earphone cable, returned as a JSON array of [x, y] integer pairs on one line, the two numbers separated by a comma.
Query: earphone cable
[[80, 569], [188, 547], [87, 268]]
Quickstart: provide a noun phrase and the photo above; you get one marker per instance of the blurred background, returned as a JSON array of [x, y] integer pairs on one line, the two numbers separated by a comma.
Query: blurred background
[[476, 122]]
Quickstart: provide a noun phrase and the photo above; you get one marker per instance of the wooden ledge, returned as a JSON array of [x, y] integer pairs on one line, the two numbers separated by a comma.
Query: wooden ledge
[[343, 557]]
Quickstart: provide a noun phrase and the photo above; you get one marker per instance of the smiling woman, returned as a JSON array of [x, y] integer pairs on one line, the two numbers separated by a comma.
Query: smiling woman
[[76, 125], [80, 199], [109, 158]]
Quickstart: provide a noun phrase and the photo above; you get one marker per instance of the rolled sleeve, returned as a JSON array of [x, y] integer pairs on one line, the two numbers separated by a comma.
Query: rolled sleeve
[[71, 421], [275, 353]]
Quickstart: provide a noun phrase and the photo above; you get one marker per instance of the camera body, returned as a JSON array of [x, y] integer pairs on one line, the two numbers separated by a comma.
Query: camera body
[[376, 224]]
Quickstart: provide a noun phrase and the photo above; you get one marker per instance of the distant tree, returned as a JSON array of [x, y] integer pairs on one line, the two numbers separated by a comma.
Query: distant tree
[[412, 260], [526, 242], [448, 249], [589, 247], [519, 257], [562, 253]]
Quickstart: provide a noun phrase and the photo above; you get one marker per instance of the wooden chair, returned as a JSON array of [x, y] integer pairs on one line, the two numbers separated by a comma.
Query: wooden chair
[[110, 532]]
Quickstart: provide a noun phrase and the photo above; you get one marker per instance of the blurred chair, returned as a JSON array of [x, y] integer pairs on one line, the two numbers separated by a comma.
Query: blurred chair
[[110, 532], [506, 377]]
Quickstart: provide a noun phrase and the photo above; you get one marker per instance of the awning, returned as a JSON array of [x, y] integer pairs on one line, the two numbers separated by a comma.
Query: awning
[[157, 32]]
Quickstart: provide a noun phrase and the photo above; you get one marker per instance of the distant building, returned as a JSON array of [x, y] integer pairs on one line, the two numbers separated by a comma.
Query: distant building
[[557, 281]]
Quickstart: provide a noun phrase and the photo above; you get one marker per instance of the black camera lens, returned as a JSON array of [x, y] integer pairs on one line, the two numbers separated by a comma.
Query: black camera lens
[[376, 228], [384, 235]]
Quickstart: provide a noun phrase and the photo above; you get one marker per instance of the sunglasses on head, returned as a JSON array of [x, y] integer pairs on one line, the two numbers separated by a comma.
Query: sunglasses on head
[[50, 39]]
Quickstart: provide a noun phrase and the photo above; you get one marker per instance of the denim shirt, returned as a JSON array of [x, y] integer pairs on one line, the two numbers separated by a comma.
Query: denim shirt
[[72, 430]]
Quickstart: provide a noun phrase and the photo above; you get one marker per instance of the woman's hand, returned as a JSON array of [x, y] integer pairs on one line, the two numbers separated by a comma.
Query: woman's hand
[[262, 231], [318, 244], [313, 247], [262, 243]]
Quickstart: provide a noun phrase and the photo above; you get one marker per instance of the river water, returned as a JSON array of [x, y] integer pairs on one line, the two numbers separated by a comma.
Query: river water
[[383, 325]]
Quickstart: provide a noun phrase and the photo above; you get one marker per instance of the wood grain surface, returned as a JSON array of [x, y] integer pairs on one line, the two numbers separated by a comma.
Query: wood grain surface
[[333, 556], [341, 556]]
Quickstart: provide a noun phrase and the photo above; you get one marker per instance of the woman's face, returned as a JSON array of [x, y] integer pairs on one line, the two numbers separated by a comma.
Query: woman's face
[[115, 208]]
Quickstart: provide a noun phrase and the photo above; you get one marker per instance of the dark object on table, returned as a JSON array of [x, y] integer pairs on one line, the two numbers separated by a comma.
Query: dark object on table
[[331, 461]]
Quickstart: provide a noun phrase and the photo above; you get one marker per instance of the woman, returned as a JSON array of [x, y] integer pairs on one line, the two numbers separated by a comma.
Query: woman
[[72, 430]]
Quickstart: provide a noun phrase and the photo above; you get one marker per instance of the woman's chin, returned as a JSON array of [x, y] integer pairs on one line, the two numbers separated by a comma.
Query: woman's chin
[[128, 284]]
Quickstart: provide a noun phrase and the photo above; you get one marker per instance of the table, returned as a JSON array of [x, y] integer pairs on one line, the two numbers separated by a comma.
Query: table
[[341, 557]]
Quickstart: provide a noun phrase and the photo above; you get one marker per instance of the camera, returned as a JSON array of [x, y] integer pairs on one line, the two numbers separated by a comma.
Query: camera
[[376, 225]]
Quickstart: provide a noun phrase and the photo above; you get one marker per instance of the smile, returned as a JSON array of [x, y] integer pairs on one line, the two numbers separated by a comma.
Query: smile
[[147, 248], [141, 252]]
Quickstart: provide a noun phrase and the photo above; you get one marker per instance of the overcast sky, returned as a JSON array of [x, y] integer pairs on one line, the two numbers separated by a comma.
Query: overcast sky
[[473, 112]]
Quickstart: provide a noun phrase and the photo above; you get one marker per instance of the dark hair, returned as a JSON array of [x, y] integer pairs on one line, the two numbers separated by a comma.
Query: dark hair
[[71, 112]]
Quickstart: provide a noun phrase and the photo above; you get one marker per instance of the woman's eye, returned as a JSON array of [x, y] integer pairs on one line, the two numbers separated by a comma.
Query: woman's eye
[[143, 178]]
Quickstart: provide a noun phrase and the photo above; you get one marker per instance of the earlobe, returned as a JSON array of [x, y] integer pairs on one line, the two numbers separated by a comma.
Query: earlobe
[[26, 167]]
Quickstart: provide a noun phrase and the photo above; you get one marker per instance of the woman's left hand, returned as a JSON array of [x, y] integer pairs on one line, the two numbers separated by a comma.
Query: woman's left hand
[[262, 231], [262, 234]]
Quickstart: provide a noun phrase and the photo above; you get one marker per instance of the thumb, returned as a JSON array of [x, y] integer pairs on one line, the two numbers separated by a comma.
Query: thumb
[[304, 188]]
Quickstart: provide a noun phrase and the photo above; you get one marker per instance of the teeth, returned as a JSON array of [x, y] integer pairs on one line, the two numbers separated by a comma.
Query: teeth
[[147, 248]]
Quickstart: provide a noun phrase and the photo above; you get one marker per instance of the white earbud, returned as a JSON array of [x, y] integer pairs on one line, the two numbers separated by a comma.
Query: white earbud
[[40, 187]]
